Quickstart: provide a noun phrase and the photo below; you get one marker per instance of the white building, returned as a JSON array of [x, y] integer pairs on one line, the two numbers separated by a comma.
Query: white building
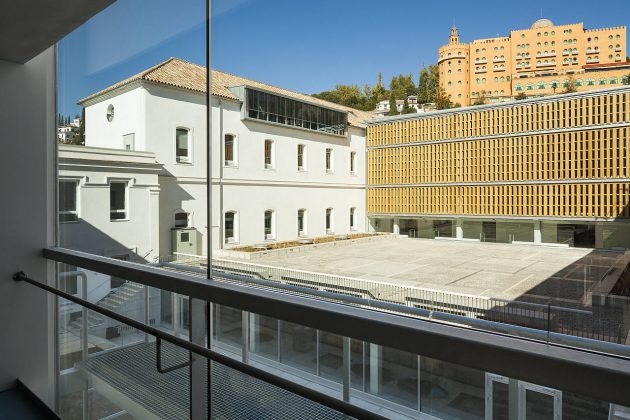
[[285, 165], [382, 108], [65, 133]]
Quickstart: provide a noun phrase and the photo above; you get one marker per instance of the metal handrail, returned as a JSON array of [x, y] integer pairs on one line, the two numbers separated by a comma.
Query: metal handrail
[[323, 399], [588, 372]]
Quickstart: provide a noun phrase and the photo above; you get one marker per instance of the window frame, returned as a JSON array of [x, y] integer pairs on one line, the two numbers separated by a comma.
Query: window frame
[[234, 162], [304, 231], [188, 159], [353, 162], [301, 156], [271, 236], [329, 159], [272, 152], [125, 211], [329, 221], [77, 201], [180, 211], [353, 219], [230, 240]]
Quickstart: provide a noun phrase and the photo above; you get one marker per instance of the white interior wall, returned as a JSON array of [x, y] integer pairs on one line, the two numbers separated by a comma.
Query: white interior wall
[[27, 117]]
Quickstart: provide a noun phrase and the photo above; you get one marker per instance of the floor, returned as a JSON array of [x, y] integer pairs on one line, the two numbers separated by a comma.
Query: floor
[[15, 404], [506, 271]]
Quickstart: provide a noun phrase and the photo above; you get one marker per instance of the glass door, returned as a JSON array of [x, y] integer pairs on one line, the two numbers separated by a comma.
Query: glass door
[[533, 402]]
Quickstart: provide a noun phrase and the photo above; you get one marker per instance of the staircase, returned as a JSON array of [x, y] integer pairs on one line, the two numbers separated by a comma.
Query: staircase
[[113, 301]]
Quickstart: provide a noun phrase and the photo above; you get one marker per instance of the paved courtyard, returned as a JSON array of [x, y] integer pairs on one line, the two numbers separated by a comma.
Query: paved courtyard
[[535, 274]]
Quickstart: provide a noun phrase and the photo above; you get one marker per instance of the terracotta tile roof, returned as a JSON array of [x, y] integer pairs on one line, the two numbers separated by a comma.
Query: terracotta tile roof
[[186, 75]]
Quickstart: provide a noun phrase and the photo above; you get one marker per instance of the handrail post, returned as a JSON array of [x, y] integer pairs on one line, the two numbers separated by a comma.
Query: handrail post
[[346, 369]]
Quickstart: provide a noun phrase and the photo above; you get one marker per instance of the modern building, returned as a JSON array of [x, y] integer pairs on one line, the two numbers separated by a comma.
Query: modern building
[[285, 165], [552, 170], [538, 61]]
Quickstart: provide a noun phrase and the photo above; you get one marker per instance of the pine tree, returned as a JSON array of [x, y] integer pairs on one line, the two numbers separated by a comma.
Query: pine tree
[[406, 108], [393, 109]]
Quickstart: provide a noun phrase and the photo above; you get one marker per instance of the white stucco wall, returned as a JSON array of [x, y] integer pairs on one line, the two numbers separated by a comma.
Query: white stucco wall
[[247, 187]]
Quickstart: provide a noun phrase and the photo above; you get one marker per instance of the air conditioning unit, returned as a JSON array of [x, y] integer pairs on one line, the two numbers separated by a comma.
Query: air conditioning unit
[[185, 241]]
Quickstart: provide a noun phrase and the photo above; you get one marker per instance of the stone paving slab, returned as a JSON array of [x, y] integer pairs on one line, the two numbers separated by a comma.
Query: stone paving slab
[[483, 269]]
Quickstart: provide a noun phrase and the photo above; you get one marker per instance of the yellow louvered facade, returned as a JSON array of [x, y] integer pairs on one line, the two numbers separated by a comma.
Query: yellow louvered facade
[[558, 157]]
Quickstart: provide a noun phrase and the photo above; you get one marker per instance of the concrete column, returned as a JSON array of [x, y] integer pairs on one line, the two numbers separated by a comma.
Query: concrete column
[[599, 236], [396, 226], [459, 229], [537, 232]]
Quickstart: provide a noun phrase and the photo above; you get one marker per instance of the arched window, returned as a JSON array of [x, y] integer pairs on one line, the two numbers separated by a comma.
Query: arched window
[[181, 220], [330, 222], [301, 222], [518, 87], [353, 218], [602, 81], [579, 82], [270, 225], [230, 227], [590, 82], [530, 86], [542, 85], [613, 81], [566, 83]]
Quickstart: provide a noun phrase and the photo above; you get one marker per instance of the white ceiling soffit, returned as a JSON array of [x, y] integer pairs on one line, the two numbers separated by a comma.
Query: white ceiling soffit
[[28, 27]]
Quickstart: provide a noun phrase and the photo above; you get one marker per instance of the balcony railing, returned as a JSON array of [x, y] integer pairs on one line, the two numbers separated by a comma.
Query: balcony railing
[[360, 352]]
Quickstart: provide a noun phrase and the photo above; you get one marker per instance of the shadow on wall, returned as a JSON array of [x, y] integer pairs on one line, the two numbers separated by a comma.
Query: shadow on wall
[[587, 298], [178, 233]]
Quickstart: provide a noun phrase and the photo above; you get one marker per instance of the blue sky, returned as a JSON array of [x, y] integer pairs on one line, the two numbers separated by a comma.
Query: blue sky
[[308, 46]]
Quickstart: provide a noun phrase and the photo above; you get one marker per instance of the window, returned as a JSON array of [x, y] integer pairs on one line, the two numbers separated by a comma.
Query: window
[[129, 141], [301, 222], [301, 157], [269, 152], [590, 82], [68, 208], [270, 221], [229, 152], [353, 218], [579, 82], [353, 163], [602, 81], [329, 220], [613, 80], [110, 113], [278, 109], [229, 227], [117, 200], [182, 145], [329, 160], [181, 220]]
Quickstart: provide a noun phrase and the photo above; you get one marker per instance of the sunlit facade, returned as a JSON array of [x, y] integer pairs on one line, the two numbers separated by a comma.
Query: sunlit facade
[[538, 61], [552, 170]]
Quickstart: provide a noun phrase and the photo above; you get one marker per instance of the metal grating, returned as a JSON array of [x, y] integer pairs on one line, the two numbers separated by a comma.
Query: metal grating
[[131, 370]]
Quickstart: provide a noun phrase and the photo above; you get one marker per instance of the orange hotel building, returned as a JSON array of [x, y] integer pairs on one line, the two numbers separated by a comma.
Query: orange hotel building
[[538, 61]]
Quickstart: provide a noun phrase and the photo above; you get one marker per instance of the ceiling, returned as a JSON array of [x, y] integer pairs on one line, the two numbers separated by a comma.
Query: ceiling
[[28, 27]]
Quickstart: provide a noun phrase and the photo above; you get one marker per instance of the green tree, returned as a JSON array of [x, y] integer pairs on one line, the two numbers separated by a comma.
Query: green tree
[[393, 108], [79, 136], [520, 96], [406, 109], [379, 93], [348, 95], [570, 85], [442, 101], [403, 86], [428, 84], [626, 79]]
